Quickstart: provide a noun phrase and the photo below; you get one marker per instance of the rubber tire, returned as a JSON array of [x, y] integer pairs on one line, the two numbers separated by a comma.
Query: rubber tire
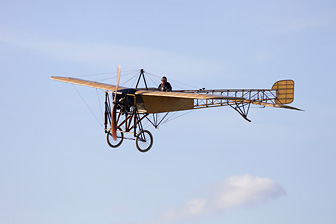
[[137, 138], [108, 141]]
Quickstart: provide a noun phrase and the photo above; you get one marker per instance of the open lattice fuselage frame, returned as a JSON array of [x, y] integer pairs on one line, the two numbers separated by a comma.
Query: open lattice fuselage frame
[[131, 119], [249, 96]]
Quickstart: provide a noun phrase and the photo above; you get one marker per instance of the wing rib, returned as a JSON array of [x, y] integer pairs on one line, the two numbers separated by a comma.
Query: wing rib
[[86, 83]]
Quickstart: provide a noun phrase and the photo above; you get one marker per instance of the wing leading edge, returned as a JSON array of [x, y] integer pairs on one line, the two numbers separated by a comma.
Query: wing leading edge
[[86, 83]]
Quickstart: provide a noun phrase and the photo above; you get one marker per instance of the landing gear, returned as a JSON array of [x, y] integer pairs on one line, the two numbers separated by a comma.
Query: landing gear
[[144, 141], [115, 143], [128, 122], [125, 112]]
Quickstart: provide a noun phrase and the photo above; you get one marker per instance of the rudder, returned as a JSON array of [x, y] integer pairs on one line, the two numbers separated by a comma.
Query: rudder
[[284, 91]]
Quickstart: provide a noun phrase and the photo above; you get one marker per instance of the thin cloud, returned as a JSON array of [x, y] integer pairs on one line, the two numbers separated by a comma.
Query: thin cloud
[[235, 191], [295, 25], [108, 55]]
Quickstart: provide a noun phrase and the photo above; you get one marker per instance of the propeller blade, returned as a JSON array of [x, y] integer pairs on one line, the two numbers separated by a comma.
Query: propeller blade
[[114, 109], [114, 122], [117, 85]]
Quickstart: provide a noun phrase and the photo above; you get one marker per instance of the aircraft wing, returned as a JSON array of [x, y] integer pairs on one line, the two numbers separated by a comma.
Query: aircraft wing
[[86, 83], [187, 95]]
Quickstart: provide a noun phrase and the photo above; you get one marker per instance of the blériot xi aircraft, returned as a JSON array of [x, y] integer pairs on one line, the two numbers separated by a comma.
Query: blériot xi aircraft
[[127, 108]]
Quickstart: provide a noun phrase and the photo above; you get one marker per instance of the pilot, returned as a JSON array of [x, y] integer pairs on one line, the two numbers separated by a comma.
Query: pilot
[[164, 85]]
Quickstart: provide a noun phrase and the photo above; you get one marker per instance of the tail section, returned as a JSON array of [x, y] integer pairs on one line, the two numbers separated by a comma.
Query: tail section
[[284, 91]]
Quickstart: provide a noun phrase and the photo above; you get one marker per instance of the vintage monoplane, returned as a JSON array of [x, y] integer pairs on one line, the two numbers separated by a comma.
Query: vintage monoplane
[[127, 108]]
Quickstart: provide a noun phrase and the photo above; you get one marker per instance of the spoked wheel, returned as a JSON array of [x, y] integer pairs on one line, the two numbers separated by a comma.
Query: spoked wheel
[[144, 141], [115, 143]]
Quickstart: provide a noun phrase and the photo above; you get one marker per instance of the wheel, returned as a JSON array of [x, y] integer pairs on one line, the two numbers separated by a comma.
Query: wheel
[[144, 141], [115, 143]]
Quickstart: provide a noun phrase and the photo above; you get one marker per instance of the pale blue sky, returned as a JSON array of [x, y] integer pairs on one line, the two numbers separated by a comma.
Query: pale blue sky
[[55, 166]]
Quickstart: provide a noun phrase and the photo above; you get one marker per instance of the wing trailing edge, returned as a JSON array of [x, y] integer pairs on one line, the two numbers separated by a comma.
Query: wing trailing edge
[[86, 83]]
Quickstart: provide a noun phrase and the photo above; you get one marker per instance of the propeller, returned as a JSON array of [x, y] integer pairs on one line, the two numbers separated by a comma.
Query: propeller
[[114, 109]]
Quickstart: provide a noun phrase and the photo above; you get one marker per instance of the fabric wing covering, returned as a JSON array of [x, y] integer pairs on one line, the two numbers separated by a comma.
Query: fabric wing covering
[[141, 92], [86, 83]]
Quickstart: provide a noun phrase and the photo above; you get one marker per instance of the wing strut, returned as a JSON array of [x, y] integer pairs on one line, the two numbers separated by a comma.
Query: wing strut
[[243, 109]]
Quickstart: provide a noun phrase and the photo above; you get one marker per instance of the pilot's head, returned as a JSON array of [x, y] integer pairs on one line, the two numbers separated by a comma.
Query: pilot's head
[[164, 80]]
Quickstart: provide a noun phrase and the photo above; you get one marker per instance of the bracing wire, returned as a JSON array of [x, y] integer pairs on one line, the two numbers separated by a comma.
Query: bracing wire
[[129, 79], [122, 75], [173, 118], [173, 80], [134, 82], [87, 105], [128, 73], [152, 80], [146, 124], [100, 107]]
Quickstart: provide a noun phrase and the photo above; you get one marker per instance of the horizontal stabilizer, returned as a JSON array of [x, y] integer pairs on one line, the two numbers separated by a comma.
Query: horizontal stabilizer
[[275, 105]]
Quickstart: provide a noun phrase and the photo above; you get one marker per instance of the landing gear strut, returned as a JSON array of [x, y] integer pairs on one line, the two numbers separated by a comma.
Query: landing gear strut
[[128, 122]]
